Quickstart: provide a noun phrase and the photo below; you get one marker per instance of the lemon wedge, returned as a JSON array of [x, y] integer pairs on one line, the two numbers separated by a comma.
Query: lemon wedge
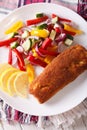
[[5, 76], [21, 84], [31, 72]]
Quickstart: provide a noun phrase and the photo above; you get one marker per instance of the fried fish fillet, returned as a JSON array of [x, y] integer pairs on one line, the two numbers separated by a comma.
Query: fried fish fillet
[[65, 68]]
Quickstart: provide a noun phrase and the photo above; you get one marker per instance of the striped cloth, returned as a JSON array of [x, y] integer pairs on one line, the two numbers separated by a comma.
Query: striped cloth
[[63, 120], [9, 5]]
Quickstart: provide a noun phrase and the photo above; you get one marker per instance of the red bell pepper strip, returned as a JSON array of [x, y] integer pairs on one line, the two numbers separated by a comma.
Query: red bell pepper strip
[[54, 15], [69, 32], [22, 68], [58, 30], [21, 62], [60, 18], [10, 56], [36, 61], [8, 41], [47, 52], [50, 27], [36, 20], [46, 43], [64, 19]]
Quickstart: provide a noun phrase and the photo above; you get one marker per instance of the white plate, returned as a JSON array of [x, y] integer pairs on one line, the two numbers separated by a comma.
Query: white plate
[[72, 94]]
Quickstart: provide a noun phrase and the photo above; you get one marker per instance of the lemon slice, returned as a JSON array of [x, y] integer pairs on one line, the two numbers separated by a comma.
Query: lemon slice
[[3, 67], [10, 85], [5, 76], [21, 84]]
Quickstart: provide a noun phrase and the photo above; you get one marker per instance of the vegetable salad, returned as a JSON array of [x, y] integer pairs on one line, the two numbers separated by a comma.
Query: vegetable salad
[[37, 41]]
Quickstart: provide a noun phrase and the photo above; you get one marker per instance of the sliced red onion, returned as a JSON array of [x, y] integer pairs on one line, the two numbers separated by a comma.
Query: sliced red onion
[[20, 31], [48, 21], [60, 38], [56, 25], [35, 37], [38, 52], [20, 49], [14, 59], [61, 47]]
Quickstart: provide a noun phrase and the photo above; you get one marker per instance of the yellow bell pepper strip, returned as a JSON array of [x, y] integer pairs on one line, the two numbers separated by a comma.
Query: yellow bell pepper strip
[[8, 41], [31, 72], [40, 33], [71, 29], [36, 20], [14, 27]]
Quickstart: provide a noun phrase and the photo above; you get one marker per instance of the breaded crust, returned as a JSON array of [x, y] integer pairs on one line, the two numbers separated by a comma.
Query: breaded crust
[[65, 68]]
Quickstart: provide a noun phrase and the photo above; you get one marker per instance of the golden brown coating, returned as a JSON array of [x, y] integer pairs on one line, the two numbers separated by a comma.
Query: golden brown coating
[[65, 68]]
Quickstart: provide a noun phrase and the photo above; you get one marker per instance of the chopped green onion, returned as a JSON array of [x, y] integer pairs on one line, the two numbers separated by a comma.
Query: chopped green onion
[[39, 15], [70, 37]]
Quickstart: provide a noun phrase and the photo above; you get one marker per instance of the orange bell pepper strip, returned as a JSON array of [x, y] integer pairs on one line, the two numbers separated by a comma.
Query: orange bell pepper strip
[[71, 29], [48, 59], [31, 72]]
